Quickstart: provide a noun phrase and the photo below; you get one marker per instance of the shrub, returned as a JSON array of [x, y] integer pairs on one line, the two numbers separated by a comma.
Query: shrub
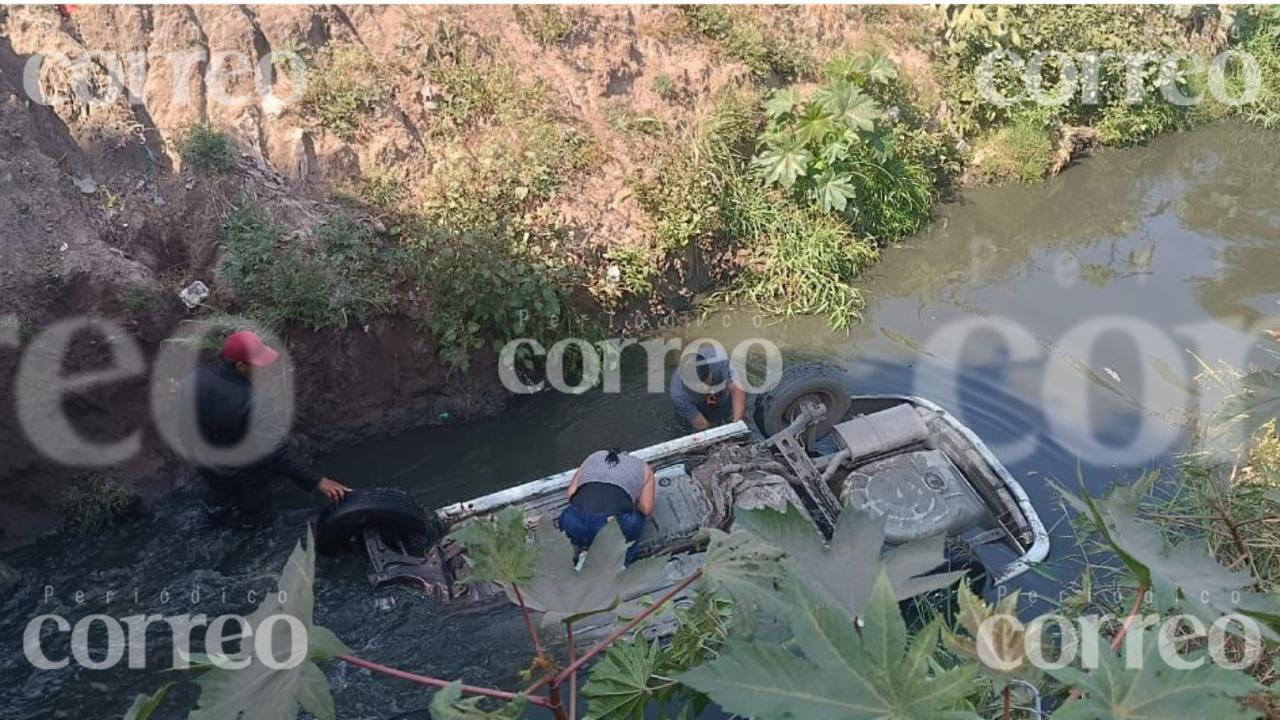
[[342, 88], [207, 148], [629, 272], [93, 503], [383, 190], [319, 282], [1018, 152], [834, 150], [1258, 31], [482, 287], [765, 49]]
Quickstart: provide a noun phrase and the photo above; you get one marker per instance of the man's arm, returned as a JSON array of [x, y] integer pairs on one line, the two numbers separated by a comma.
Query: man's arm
[[573, 484], [287, 461], [685, 407], [649, 493]]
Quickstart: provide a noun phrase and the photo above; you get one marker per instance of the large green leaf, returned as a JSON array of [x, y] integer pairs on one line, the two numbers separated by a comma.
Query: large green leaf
[[781, 102], [565, 593], [498, 547], [1146, 688], [835, 672], [448, 704], [783, 161], [839, 572], [259, 692], [1243, 414], [1185, 575], [834, 191], [144, 705], [741, 566], [619, 683]]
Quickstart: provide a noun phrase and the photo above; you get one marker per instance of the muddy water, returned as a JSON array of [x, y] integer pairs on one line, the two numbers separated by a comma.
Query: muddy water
[[1058, 321]]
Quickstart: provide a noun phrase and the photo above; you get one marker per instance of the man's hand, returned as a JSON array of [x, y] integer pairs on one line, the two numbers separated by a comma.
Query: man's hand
[[332, 489]]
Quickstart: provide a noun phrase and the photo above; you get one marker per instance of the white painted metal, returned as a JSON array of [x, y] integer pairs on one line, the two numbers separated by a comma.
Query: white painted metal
[[713, 436]]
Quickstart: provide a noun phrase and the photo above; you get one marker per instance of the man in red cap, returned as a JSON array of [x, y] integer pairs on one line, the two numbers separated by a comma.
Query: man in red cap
[[236, 437]]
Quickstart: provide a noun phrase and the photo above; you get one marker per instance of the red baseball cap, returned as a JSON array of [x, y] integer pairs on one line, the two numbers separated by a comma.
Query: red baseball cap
[[245, 346]]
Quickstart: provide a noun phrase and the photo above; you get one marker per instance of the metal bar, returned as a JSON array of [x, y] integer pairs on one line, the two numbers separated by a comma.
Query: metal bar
[[464, 510]]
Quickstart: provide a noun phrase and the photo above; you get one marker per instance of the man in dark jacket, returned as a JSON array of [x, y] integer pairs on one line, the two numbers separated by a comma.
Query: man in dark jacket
[[220, 410]]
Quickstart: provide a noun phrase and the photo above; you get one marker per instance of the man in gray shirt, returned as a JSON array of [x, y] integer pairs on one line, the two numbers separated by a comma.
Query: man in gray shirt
[[717, 395]]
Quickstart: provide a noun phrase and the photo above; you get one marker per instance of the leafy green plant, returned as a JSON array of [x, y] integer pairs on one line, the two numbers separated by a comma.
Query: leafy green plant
[[833, 150], [135, 298], [383, 190], [340, 272], [343, 87], [207, 148], [93, 503], [259, 690], [629, 273]]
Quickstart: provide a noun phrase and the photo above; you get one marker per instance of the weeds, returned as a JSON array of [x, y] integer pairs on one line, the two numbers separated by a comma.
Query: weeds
[[383, 190], [135, 299], [1021, 151], [629, 273], [764, 49], [547, 24], [340, 272], [344, 87], [666, 87], [93, 503], [474, 84], [207, 148]]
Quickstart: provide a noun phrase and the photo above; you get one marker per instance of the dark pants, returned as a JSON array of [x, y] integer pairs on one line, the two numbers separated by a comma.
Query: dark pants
[[582, 528], [238, 498]]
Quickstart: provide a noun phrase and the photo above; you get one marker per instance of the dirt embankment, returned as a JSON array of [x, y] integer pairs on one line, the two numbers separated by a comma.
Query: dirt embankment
[[100, 216]]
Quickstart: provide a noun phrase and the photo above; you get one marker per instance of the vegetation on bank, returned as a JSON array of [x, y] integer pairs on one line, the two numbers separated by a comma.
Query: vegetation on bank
[[786, 195]]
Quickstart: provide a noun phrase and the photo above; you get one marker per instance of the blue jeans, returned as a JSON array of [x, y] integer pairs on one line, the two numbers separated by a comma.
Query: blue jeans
[[582, 528]]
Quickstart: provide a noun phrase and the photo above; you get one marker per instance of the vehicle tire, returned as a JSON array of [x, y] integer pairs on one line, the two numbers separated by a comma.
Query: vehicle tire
[[393, 511], [777, 408]]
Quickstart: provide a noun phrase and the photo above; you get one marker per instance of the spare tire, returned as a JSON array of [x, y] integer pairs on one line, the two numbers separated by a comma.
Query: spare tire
[[778, 407], [392, 511]]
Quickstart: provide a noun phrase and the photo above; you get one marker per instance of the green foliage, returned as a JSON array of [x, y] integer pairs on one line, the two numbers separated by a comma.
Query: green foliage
[[207, 148], [498, 548], [475, 84], [1145, 687], [548, 24], [764, 48], [802, 260], [145, 705], [992, 632], [565, 593], [136, 298], [665, 87], [1257, 29], [383, 190], [832, 670], [1185, 575], [1247, 411], [260, 691], [1019, 152], [447, 704], [629, 274], [971, 32], [619, 686], [93, 503], [343, 87], [837, 572], [834, 150], [685, 195], [320, 282], [484, 287]]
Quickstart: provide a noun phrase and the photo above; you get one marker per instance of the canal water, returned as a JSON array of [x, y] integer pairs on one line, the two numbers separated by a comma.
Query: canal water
[[1065, 323]]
